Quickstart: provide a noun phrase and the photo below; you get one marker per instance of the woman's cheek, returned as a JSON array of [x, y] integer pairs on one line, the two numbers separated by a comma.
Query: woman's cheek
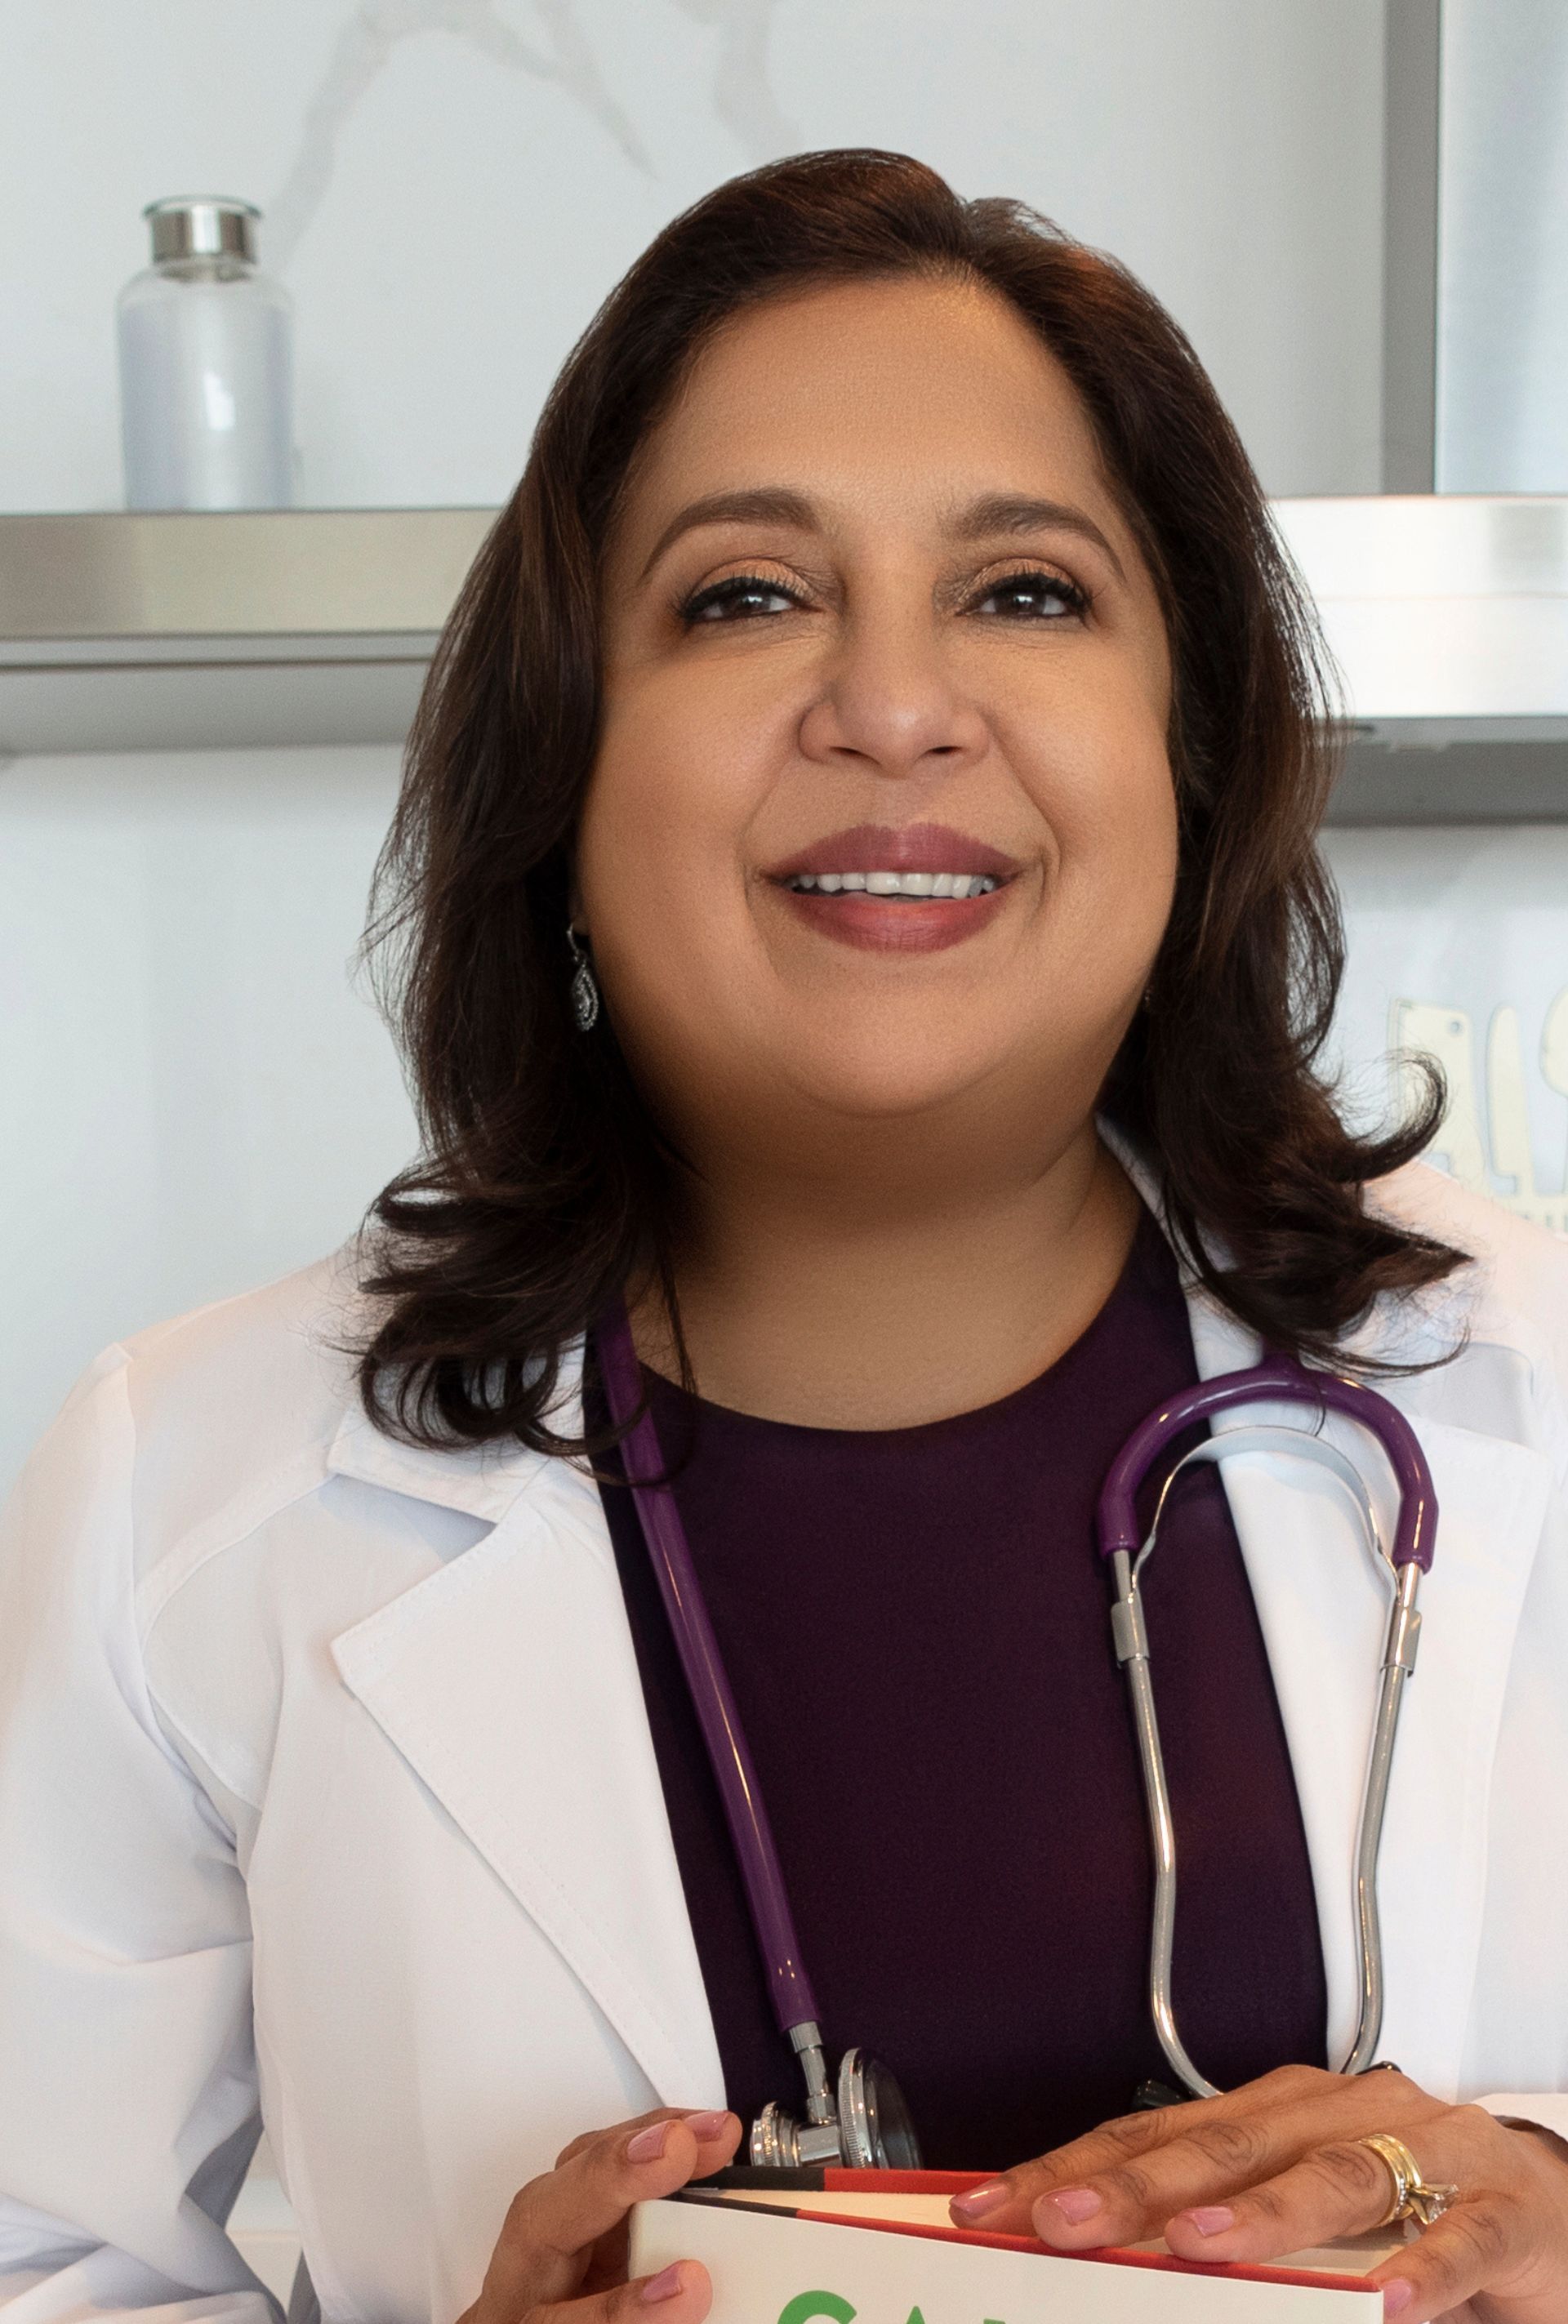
[[670, 903], [1109, 801]]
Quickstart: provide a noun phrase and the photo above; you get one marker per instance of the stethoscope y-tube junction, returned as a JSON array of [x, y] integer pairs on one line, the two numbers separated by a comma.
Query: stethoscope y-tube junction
[[864, 2125]]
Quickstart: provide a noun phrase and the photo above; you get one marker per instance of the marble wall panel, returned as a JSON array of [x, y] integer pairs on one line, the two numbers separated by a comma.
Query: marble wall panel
[[452, 186]]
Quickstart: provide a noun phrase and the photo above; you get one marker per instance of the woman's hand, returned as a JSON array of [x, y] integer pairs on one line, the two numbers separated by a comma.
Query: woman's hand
[[561, 2259], [1274, 2168]]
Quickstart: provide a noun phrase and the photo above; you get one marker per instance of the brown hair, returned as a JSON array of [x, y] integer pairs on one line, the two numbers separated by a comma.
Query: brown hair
[[544, 1185]]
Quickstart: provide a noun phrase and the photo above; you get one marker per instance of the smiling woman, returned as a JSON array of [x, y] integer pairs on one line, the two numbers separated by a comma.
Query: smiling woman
[[854, 918], [867, 533]]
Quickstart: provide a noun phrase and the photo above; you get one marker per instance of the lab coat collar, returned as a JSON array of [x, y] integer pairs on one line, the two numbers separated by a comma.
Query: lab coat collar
[[483, 1480]]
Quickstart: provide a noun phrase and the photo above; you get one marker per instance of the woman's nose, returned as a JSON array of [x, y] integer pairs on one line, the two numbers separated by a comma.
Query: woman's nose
[[888, 702]]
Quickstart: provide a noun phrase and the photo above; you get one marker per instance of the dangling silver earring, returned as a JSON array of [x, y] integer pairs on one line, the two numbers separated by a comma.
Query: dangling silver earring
[[585, 991]]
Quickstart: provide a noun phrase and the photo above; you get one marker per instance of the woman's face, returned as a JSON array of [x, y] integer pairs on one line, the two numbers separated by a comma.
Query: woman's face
[[872, 623]]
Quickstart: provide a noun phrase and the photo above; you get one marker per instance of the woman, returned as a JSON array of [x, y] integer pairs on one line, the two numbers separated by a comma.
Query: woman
[[855, 898]]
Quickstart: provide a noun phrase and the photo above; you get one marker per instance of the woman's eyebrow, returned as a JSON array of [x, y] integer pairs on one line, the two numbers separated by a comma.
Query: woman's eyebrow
[[993, 513], [760, 504], [1019, 512]]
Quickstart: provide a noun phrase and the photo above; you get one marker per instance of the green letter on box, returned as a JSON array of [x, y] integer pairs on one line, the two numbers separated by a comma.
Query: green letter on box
[[807, 2304]]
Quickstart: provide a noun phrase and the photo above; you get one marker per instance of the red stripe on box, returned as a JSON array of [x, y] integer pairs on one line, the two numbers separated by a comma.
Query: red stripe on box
[[1166, 2262]]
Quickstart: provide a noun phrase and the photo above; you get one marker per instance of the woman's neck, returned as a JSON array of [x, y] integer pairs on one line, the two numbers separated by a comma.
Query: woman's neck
[[879, 1313]]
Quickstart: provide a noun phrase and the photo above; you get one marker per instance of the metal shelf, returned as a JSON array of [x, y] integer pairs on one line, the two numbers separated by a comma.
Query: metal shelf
[[186, 631], [1447, 615]]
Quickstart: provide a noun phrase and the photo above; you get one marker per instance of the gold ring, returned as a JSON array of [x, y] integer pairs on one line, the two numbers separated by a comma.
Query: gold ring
[[1412, 2199]]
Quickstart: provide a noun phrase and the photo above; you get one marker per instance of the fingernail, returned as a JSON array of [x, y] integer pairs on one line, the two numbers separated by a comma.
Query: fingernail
[[666, 2284], [980, 2202], [1076, 2204], [704, 2126], [1211, 2218], [1397, 2296], [647, 2146]]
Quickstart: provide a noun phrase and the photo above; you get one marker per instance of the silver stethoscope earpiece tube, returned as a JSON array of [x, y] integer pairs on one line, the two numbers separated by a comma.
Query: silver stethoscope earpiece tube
[[859, 2120], [1400, 1568]]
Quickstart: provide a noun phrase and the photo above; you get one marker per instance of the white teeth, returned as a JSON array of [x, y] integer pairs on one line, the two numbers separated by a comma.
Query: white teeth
[[956, 884]]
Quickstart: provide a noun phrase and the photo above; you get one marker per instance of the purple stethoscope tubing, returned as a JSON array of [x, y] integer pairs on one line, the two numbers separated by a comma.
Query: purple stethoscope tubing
[[1279, 1377], [789, 1989]]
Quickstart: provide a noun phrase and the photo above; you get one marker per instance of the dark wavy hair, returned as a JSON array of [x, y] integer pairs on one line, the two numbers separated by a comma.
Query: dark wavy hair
[[544, 1185]]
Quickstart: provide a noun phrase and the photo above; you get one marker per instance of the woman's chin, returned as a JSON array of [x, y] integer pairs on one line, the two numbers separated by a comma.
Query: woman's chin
[[878, 1080]]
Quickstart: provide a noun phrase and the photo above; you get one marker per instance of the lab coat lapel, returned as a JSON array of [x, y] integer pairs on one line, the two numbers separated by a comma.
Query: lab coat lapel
[[1323, 1611], [508, 1682]]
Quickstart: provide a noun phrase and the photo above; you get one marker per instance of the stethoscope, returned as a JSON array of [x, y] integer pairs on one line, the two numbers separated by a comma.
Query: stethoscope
[[861, 2119]]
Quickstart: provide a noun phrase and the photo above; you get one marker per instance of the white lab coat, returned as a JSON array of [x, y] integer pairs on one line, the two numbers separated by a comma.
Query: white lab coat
[[327, 1797]]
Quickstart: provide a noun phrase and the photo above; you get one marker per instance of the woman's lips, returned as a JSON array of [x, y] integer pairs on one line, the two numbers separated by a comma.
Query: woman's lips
[[894, 923]]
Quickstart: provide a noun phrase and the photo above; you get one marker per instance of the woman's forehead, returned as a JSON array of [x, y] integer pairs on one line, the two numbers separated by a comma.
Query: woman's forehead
[[899, 401]]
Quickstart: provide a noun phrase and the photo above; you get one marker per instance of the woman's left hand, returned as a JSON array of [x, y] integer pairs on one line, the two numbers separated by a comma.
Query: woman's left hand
[[1274, 2167]]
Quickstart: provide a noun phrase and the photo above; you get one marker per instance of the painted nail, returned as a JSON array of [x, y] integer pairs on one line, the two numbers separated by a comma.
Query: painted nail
[[1397, 2296], [1211, 2218], [704, 2126], [662, 2286], [980, 2202], [647, 2146], [1076, 2204]]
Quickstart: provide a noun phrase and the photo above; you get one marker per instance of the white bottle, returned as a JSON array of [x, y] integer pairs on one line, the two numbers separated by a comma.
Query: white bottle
[[206, 365]]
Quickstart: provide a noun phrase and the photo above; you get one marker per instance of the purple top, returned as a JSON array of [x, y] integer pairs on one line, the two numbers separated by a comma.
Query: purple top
[[915, 1624]]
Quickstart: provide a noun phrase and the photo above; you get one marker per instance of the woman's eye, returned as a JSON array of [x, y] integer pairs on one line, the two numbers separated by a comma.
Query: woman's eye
[[743, 596], [1035, 596]]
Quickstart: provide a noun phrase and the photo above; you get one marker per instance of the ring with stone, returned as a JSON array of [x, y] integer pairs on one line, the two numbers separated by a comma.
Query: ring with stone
[[1412, 2197]]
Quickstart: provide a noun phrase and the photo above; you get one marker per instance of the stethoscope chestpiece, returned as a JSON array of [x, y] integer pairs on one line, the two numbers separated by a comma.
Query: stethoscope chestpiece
[[871, 2130]]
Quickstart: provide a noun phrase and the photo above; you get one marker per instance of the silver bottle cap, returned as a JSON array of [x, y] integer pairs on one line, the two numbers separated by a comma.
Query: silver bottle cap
[[203, 226]]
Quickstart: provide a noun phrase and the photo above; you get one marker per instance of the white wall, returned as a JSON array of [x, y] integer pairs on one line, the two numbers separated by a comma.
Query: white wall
[[196, 1098], [452, 186]]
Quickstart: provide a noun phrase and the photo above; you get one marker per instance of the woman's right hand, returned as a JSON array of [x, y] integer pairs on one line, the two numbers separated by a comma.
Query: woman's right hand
[[561, 2257]]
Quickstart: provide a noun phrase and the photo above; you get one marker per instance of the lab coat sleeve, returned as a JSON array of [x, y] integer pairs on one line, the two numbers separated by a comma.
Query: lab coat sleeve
[[128, 2107]]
